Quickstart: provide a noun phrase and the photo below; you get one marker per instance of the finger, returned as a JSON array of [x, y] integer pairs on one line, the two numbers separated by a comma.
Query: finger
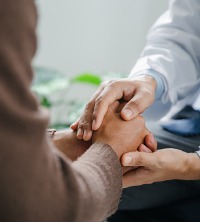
[[87, 135], [137, 177], [84, 126], [138, 159], [114, 106], [80, 133], [137, 105], [85, 122], [127, 169], [103, 101], [74, 126], [121, 106], [143, 148], [150, 142]]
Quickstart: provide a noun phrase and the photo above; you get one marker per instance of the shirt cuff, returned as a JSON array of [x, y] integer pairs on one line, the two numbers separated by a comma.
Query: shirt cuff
[[160, 86]]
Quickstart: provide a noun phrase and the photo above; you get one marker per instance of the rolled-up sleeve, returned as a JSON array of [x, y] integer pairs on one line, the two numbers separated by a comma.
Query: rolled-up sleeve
[[172, 51]]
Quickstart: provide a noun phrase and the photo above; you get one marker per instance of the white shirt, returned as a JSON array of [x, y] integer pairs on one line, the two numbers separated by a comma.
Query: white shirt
[[172, 56]]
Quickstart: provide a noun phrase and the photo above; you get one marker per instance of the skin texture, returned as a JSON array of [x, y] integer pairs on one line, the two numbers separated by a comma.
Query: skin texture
[[165, 164], [122, 136], [67, 142], [137, 93]]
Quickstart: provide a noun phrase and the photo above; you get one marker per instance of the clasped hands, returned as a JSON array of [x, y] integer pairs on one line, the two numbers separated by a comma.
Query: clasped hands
[[107, 117], [122, 127]]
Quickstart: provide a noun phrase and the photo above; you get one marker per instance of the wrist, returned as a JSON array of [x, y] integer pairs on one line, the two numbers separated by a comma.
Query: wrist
[[160, 81], [60, 138], [110, 144], [148, 79]]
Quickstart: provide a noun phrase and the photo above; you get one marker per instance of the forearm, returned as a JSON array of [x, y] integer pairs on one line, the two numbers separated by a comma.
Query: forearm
[[100, 173], [66, 141], [172, 50], [46, 185]]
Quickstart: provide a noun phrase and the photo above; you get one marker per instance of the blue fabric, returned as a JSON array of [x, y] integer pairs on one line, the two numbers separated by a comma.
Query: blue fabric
[[184, 123]]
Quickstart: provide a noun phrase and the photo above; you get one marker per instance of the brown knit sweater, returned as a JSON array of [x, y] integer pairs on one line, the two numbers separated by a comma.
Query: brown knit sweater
[[37, 183]]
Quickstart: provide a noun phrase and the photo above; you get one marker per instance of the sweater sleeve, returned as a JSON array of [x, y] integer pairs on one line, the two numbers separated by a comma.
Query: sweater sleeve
[[37, 182]]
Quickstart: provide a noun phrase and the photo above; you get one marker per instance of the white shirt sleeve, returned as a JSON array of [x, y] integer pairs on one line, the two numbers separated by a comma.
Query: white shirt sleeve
[[173, 51]]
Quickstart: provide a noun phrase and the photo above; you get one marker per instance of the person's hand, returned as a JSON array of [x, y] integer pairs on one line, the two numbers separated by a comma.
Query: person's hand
[[165, 164], [151, 146], [121, 135], [67, 142], [139, 94]]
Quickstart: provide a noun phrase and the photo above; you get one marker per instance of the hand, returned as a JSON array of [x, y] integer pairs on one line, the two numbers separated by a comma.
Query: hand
[[151, 146], [165, 164], [67, 142], [139, 94], [121, 135]]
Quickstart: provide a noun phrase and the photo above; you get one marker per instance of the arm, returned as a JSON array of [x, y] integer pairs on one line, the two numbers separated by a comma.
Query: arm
[[172, 52], [166, 164], [67, 142], [37, 182]]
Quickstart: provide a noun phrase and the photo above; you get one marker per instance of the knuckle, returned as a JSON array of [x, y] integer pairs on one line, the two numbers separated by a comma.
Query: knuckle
[[89, 105], [94, 115], [80, 125], [135, 105], [139, 160], [113, 83], [110, 82], [84, 125], [102, 84], [98, 101]]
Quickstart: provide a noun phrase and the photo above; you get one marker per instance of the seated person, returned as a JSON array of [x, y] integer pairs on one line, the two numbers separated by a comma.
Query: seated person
[[38, 182]]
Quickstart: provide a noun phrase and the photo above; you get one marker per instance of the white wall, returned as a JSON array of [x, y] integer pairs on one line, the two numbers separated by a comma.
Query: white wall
[[94, 35]]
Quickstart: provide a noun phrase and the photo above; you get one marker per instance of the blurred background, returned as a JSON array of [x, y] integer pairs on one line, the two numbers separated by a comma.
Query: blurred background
[[86, 42], [94, 35]]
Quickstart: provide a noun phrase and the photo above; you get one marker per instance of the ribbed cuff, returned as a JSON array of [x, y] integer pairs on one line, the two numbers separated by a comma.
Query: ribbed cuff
[[106, 162]]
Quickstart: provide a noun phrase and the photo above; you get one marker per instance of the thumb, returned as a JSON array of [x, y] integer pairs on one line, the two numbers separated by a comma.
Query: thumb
[[135, 106], [138, 159], [114, 106]]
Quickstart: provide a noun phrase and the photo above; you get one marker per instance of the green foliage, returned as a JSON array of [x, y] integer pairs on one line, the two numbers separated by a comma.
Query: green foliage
[[45, 102], [87, 78]]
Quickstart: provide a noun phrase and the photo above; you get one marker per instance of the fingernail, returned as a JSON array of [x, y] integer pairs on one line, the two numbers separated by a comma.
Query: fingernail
[[80, 132], [71, 126], [85, 135], [152, 139], [128, 159], [128, 113]]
